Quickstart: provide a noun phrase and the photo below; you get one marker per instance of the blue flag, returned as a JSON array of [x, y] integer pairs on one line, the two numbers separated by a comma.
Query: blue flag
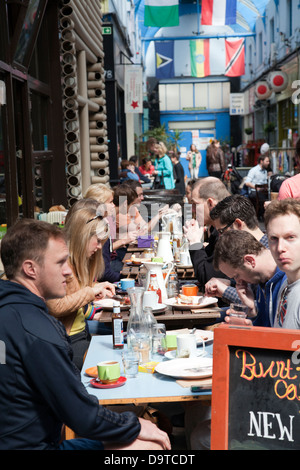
[[164, 59]]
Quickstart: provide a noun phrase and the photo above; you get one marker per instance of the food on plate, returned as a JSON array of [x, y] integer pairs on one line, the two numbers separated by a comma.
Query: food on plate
[[125, 300], [136, 260], [188, 300]]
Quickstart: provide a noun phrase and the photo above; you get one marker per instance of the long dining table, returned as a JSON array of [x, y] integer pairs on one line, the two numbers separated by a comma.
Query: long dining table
[[131, 270], [141, 390], [175, 318]]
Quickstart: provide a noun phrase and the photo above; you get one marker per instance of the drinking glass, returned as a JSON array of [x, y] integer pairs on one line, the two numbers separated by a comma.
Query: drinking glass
[[159, 339], [130, 363], [237, 313]]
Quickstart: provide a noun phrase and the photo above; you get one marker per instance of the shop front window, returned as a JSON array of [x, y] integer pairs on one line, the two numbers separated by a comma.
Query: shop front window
[[29, 31]]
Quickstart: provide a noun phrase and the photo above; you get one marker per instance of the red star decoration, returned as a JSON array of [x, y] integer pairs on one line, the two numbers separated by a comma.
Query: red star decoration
[[134, 104]]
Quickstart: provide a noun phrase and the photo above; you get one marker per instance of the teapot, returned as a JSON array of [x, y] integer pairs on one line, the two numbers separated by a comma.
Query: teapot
[[164, 249], [171, 222], [158, 269]]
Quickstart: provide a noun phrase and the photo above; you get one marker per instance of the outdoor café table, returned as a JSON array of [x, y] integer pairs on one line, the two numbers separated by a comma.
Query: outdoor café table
[[174, 318], [131, 270], [143, 389]]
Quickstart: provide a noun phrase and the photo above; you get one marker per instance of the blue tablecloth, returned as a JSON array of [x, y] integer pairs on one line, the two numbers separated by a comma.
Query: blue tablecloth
[[154, 387]]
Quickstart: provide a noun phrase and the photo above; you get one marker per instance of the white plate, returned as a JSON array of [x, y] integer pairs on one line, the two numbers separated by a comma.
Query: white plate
[[107, 304], [159, 308], [195, 368], [172, 354], [202, 302]]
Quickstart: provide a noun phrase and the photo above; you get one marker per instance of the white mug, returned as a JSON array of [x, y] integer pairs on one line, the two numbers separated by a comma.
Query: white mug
[[184, 258], [150, 299], [186, 345]]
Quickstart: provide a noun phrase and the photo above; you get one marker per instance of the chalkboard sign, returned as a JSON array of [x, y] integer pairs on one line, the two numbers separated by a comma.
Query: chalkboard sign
[[256, 389]]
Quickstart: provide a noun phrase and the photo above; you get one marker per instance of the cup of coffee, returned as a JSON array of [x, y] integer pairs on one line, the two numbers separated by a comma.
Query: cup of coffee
[[190, 289], [171, 342], [186, 345], [108, 371], [124, 284], [150, 299]]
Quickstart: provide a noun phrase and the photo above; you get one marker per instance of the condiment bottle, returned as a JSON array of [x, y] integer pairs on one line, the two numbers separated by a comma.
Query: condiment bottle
[[117, 327], [153, 285]]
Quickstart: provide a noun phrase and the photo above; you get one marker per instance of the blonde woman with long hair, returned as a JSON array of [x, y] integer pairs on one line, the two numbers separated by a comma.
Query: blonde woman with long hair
[[86, 232], [164, 166]]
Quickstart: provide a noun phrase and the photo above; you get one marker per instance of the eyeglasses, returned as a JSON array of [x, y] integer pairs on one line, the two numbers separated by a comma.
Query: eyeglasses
[[100, 217], [222, 230]]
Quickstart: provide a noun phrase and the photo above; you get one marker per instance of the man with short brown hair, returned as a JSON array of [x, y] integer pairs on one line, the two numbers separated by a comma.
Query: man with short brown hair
[[40, 387], [282, 219], [242, 257]]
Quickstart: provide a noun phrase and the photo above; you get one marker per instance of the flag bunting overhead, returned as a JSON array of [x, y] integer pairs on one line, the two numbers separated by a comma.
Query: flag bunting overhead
[[218, 12], [164, 59], [199, 50], [235, 58], [161, 13]]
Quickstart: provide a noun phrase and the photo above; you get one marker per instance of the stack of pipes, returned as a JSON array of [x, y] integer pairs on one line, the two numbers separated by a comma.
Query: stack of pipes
[[84, 95], [71, 117], [98, 127]]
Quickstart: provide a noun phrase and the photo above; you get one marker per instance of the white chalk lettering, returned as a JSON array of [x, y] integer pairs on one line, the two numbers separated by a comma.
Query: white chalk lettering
[[263, 424]]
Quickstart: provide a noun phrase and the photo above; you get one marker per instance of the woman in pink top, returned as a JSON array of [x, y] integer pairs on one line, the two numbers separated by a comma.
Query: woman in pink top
[[291, 186]]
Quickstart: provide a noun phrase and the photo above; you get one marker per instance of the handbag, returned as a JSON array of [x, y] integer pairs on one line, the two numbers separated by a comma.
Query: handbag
[[158, 182]]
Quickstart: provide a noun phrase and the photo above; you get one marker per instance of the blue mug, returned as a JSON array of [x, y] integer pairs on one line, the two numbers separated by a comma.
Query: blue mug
[[124, 284]]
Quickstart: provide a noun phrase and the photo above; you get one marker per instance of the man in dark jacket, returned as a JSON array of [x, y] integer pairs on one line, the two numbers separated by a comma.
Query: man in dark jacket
[[206, 193], [178, 172], [40, 388]]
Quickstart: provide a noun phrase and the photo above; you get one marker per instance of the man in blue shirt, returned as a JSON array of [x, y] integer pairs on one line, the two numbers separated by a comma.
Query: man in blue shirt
[[258, 174]]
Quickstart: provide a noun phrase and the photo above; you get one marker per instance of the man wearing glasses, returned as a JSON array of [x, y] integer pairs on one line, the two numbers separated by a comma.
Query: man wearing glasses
[[206, 193], [243, 258], [233, 213]]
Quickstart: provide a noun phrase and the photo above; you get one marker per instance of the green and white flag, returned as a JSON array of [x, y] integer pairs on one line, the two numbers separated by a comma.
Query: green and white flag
[[161, 13]]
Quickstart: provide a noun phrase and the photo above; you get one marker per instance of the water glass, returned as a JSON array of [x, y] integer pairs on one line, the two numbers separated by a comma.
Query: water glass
[[238, 314], [142, 278], [159, 339], [130, 363], [140, 344]]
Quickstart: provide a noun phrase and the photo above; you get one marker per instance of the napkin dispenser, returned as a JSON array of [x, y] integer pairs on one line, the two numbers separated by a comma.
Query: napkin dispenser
[[145, 241]]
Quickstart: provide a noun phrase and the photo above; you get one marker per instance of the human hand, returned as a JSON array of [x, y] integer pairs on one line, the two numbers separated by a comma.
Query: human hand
[[246, 295], [150, 432], [242, 321], [193, 232], [216, 287], [132, 236], [104, 289], [98, 315], [163, 210]]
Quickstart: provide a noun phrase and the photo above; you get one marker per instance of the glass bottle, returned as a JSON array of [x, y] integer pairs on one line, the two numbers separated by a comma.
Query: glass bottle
[[153, 285], [149, 320], [117, 327], [173, 285], [135, 326]]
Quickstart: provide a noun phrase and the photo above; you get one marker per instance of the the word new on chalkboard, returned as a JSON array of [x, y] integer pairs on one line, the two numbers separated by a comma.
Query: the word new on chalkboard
[[255, 389]]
